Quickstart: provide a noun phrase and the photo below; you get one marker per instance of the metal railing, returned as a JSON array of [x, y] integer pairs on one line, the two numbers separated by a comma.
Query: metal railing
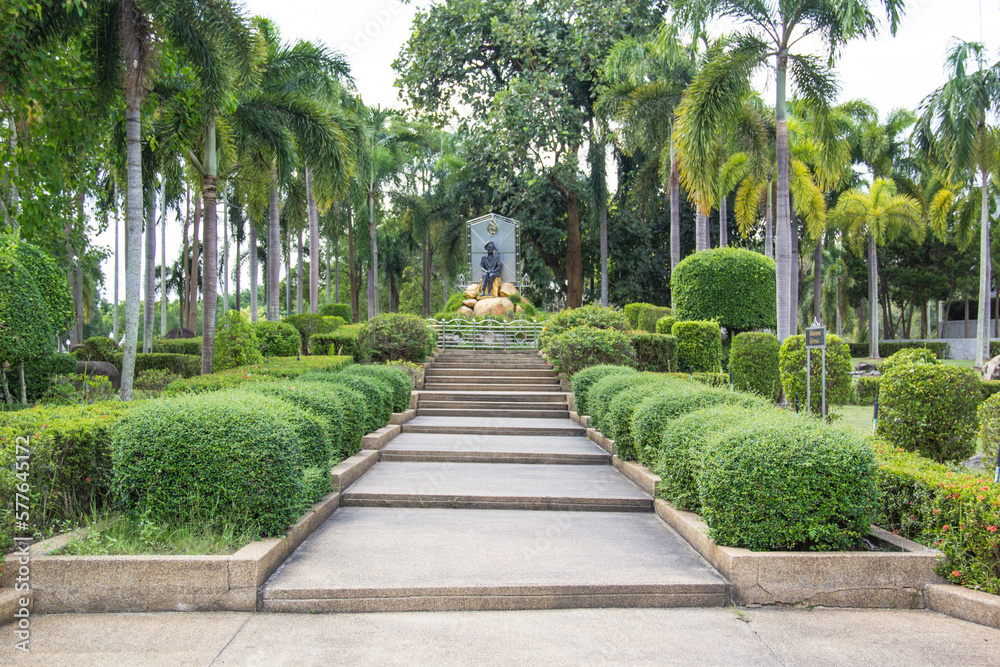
[[469, 334]]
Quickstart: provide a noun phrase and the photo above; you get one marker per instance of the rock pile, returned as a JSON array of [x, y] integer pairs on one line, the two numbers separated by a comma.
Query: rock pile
[[484, 304]]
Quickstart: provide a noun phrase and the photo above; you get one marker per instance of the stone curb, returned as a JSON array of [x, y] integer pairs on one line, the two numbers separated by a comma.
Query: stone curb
[[400, 418], [349, 470], [964, 603], [639, 475], [378, 439]]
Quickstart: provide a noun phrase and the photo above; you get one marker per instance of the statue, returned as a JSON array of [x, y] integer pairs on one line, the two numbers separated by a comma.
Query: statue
[[491, 266]]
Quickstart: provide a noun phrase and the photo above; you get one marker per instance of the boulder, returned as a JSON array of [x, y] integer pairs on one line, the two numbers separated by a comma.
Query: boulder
[[518, 309], [179, 333], [471, 291], [469, 303], [864, 366], [508, 289], [493, 306], [465, 310], [992, 369], [92, 368]]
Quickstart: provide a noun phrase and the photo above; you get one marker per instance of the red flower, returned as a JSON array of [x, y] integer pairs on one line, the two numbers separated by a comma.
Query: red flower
[[980, 498], [992, 529], [956, 573], [945, 527], [87, 479]]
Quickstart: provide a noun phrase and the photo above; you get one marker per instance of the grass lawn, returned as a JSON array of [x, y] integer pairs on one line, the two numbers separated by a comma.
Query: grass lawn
[[117, 536], [858, 416]]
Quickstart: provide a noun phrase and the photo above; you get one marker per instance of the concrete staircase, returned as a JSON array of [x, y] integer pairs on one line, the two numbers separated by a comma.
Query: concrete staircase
[[492, 498]]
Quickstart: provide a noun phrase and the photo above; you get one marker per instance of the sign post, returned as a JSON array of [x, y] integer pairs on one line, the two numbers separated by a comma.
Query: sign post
[[815, 339]]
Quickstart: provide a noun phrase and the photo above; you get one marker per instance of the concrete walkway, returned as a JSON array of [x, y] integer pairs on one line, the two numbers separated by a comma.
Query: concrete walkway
[[759, 637]]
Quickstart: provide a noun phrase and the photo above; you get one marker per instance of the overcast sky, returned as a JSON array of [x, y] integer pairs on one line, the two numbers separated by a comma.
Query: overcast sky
[[888, 71]]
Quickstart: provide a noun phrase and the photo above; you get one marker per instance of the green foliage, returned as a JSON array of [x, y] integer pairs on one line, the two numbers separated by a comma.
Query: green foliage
[[48, 278], [344, 343], [584, 346], [376, 394], [178, 346], [396, 336], [890, 347], [732, 286], [930, 409], [864, 389], [341, 310], [25, 333], [632, 312], [591, 316], [38, 374], [583, 380], [989, 430], [277, 339], [454, 302], [308, 324], [991, 388], [912, 355], [235, 342], [603, 392], [208, 457], [753, 361], [184, 365], [655, 353], [324, 447], [665, 325], [648, 317], [275, 368], [617, 422], [397, 378], [780, 483], [152, 382], [699, 346], [99, 348], [792, 358]]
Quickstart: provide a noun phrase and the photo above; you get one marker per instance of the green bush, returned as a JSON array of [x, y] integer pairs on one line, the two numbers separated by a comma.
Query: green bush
[[341, 310], [792, 358], [397, 378], [753, 361], [454, 302], [235, 342], [376, 394], [682, 447], [648, 318], [395, 337], [989, 430], [930, 409], [655, 353], [665, 325], [342, 343], [633, 311], [699, 346], [591, 316], [184, 365], [617, 421], [583, 380], [603, 392], [99, 348], [733, 286], [578, 348], [990, 388], [38, 374], [277, 339], [210, 458], [275, 368], [864, 389], [178, 346], [911, 355], [890, 347], [780, 483], [308, 324], [320, 400]]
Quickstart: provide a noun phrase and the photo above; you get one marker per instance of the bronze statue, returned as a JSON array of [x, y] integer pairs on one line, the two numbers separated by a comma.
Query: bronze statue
[[491, 266]]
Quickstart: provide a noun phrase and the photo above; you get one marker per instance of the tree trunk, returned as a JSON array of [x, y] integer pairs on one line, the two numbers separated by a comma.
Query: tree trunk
[[353, 272], [211, 270], [299, 278], [769, 221], [163, 263], [225, 250], [982, 326], [329, 272], [133, 209], [723, 222], [426, 277], [194, 269], [700, 229], [336, 270], [252, 251], [783, 230], [795, 281], [574, 250], [288, 272], [393, 293], [71, 280], [182, 292], [373, 253], [273, 250], [115, 313], [840, 319], [966, 323], [675, 207], [239, 270], [818, 280], [149, 288], [872, 299], [11, 211], [313, 246], [923, 320]]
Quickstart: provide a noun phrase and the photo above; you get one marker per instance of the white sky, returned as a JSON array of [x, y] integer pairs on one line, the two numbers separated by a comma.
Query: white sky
[[888, 71]]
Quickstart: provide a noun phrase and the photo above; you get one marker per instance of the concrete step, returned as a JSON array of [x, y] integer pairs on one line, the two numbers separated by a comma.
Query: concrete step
[[478, 386], [546, 396], [489, 380], [490, 373], [494, 449], [378, 559], [496, 411], [492, 426], [496, 486], [485, 407]]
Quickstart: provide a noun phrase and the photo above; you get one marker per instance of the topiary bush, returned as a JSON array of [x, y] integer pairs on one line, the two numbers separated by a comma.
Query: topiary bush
[[912, 355], [603, 392], [178, 346], [792, 360], [210, 459], [38, 374], [583, 380], [395, 337], [617, 422], [235, 342], [633, 311], [648, 317], [354, 410], [341, 310], [699, 346], [930, 409], [397, 378], [339, 343], [308, 324], [778, 483], [591, 316], [184, 365], [277, 339], [753, 360], [665, 325], [578, 348], [376, 392], [655, 353], [317, 399], [733, 286]]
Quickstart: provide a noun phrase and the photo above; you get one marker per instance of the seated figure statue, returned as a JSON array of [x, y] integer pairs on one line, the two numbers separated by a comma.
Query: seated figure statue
[[491, 266]]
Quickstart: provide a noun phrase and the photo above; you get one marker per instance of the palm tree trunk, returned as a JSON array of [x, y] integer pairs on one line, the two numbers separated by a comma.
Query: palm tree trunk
[[314, 258], [783, 230], [225, 250], [872, 298], [840, 319], [700, 242], [299, 277], [329, 272], [769, 221], [185, 278], [336, 270], [149, 288], [115, 314], [604, 253], [211, 271], [238, 269], [194, 269], [574, 250], [818, 279], [723, 222], [426, 277], [273, 251], [252, 250], [70, 279], [353, 276], [163, 263], [982, 327], [675, 207], [795, 281], [10, 211], [133, 194], [288, 272]]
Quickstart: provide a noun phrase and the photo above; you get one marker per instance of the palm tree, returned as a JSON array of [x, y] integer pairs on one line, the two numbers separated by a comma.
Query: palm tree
[[953, 127], [772, 31], [872, 219]]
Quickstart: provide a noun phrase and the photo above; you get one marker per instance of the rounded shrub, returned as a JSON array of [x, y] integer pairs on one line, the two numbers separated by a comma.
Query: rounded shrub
[[656, 353], [583, 380], [910, 355], [578, 348], [395, 337], [99, 348], [699, 346], [235, 343], [377, 394], [341, 310], [397, 378], [633, 311], [591, 316], [277, 339], [792, 360], [317, 399], [665, 325], [354, 410], [734, 286], [989, 430], [682, 449], [618, 419], [210, 458], [648, 318], [603, 392], [930, 409], [308, 324], [753, 360], [779, 483]]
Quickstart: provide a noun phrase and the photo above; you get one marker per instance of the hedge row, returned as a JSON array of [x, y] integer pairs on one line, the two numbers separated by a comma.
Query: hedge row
[[889, 347], [271, 369]]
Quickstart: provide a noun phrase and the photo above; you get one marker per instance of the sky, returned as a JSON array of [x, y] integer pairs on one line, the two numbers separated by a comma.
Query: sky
[[888, 71]]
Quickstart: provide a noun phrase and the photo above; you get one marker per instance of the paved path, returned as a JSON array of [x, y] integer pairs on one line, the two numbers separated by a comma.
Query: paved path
[[759, 637]]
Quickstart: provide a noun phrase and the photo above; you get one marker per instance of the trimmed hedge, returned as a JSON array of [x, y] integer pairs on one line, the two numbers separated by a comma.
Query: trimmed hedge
[[277, 339], [275, 368], [733, 286], [580, 347], [753, 361], [781, 483], [655, 353], [308, 324], [991, 388], [319, 400], [591, 316], [633, 311], [340, 343], [583, 380], [603, 392], [710, 379], [648, 317], [178, 346], [341, 310], [396, 337], [912, 355], [396, 377], [184, 365], [210, 458], [930, 409], [99, 348], [889, 347], [665, 325], [699, 346], [38, 375], [838, 371], [376, 392], [617, 421]]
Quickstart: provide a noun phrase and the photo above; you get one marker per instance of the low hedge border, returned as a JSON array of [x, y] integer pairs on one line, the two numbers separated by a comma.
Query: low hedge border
[[889, 347], [276, 368]]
